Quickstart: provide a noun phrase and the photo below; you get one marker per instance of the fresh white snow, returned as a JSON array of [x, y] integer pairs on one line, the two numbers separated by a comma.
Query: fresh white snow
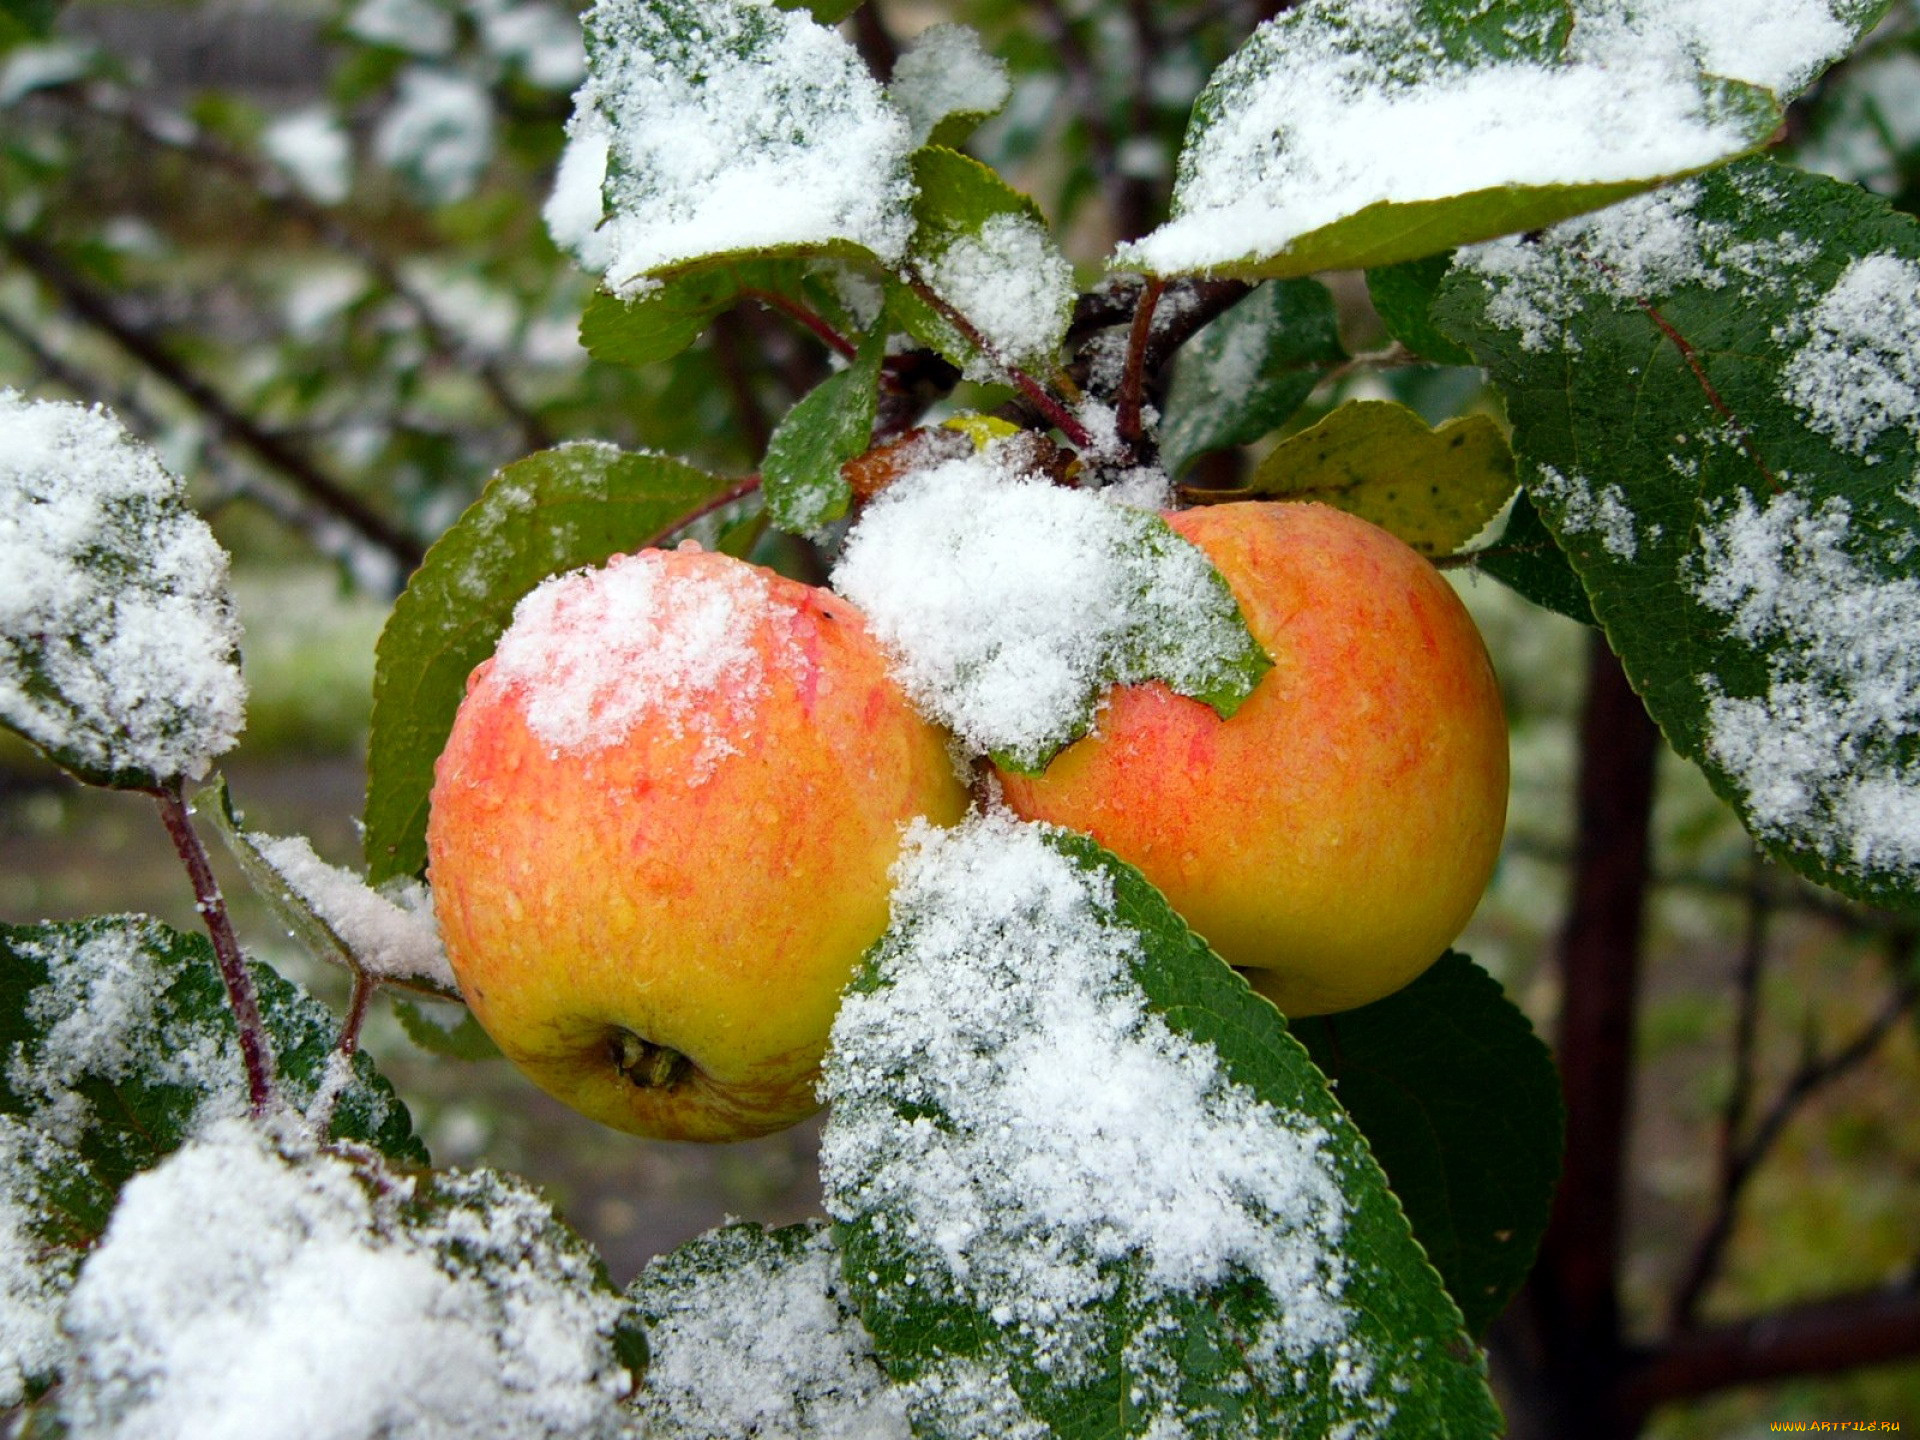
[[391, 932], [945, 71], [118, 640]]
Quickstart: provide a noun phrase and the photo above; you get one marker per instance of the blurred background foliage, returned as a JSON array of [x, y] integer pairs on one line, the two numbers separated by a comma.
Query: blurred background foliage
[[298, 246]]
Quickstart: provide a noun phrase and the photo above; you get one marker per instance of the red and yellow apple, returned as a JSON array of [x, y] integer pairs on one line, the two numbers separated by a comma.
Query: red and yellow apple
[[661, 832], [1333, 836]]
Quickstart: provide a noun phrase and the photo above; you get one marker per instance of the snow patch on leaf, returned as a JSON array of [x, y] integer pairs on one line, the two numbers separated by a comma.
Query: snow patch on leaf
[[751, 1333], [943, 72], [390, 931], [730, 126], [1857, 373], [118, 640], [1009, 1112], [250, 1287], [1820, 752], [1008, 603]]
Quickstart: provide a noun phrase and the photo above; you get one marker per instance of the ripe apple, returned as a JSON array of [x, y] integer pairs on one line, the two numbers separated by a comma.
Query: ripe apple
[[1334, 836], [660, 837]]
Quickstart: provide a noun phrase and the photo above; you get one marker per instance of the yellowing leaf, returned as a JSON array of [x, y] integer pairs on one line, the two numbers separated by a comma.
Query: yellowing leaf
[[1435, 489]]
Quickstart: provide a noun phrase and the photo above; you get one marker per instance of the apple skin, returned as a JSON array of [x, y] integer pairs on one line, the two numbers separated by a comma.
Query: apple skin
[[608, 911], [1334, 836]]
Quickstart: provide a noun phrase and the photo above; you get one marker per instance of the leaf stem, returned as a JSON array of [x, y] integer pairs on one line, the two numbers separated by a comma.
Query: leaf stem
[[1129, 419], [1037, 394], [806, 317], [255, 1048], [740, 488]]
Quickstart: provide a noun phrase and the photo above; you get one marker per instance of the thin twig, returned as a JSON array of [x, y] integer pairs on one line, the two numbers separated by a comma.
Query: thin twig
[[99, 311], [1711, 1247], [1037, 394], [1128, 420], [739, 490], [812, 321], [363, 987], [255, 1048], [177, 133]]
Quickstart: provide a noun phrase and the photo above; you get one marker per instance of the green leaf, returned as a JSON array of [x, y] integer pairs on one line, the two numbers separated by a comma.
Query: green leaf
[[1403, 295], [556, 510], [984, 250], [55, 1209], [123, 1044], [827, 12], [293, 910], [801, 472], [796, 148], [733, 1301], [24, 20], [463, 1040], [1714, 399], [1247, 371], [658, 323], [1348, 134], [1460, 1104], [119, 645], [1435, 489], [1528, 560], [1086, 1178]]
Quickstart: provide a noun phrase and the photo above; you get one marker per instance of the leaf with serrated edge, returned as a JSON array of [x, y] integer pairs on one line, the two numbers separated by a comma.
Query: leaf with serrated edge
[[1435, 489], [1529, 561], [1086, 1179], [127, 1090], [553, 511], [1714, 400], [1345, 133], [1249, 370], [1460, 1104], [800, 475]]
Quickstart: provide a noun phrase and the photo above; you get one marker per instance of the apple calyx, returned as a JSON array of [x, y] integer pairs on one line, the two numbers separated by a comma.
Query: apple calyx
[[647, 1065]]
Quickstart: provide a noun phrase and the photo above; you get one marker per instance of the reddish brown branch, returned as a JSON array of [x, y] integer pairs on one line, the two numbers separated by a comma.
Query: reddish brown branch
[[739, 490], [1128, 422], [1817, 1338], [803, 316], [1035, 393], [1572, 1297], [255, 1048]]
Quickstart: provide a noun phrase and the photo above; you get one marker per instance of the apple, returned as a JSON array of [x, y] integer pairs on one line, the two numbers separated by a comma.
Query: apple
[[660, 837], [1333, 836]]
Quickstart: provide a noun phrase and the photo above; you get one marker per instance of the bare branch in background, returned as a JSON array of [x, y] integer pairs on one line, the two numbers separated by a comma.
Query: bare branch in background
[[174, 132], [101, 312]]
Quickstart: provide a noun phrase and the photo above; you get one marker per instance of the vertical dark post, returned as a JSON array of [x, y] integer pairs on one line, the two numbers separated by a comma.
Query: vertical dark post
[[1573, 1298]]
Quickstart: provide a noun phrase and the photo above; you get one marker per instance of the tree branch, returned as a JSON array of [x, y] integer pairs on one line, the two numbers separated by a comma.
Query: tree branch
[[255, 1048], [1035, 393], [98, 310], [177, 133], [1820, 1337], [1572, 1296]]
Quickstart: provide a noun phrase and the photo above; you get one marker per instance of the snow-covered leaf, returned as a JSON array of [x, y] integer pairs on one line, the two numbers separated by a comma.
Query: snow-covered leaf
[[1460, 1104], [946, 83], [119, 648], [387, 933], [1089, 1185], [1249, 370], [556, 510], [983, 248], [751, 1333], [254, 1286], [52, 1210], [800, 475], [1008, 604], [1435, 489], [1716, 403], [1365, 132], [718, 127], [118, 1043]]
